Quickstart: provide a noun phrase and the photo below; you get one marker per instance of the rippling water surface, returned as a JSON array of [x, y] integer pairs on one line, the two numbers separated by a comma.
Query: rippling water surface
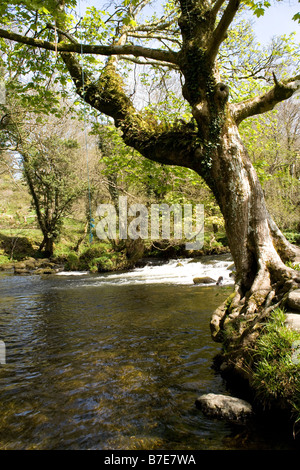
[[113, 361]]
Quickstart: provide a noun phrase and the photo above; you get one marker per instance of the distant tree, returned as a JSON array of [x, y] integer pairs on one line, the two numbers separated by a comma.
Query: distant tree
[[48, 155]]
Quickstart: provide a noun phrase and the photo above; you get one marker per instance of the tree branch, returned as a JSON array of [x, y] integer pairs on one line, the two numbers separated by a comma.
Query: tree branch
[[217, 6], [148, 62], [154, 36], [62, 33], [260, 104], [126, 49], [220, 32], [174, 145]]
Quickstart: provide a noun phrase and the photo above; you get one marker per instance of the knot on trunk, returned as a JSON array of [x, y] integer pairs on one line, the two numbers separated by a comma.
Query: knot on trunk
[[221, 93]]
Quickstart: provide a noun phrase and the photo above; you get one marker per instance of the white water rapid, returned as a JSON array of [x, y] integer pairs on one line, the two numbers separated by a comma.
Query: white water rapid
[[179, 271]]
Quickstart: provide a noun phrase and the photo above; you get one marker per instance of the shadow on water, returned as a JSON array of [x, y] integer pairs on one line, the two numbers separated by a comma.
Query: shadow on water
[[94, 362]]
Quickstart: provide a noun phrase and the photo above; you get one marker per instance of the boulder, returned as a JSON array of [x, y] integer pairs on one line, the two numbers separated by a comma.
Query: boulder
[[293, 300], [20, 265], [43, 271], [30, 264], [224, 407], [292, 321], [208, 280], [44, 263], [21, 271], [6, 266]]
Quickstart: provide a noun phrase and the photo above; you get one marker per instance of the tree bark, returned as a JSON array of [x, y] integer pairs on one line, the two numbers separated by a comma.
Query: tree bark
[[47, 246]]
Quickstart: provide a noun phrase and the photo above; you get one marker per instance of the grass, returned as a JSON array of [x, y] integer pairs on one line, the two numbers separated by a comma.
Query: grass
[[276, 367]]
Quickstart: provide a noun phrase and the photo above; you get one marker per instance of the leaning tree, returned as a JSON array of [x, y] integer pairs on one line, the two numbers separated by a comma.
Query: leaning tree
[[187, 38]]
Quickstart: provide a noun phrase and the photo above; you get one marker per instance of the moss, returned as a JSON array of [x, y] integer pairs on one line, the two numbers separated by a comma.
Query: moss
[[276, 370]]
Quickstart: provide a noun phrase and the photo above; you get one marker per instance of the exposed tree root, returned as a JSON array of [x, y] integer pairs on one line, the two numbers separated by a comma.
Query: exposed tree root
[[268, 291]]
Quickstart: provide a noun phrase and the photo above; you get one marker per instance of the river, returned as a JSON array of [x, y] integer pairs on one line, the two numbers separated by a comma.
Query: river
[[115, 361]]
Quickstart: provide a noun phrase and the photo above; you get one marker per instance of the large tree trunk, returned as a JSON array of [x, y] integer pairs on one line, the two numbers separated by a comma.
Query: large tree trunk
[[258, 248], [241, 199], [211, 145]]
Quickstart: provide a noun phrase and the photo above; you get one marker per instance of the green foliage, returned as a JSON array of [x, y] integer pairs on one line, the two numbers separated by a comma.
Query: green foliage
[[259, 7], [98, 257], [72, 262], [272, 140], [293, 237]]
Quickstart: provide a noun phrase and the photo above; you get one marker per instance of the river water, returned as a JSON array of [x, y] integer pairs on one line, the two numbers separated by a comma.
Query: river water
[[115, 361]]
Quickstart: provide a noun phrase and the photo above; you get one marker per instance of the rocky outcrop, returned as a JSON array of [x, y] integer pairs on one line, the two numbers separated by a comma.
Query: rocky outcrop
[[32, 266], [224, 407]]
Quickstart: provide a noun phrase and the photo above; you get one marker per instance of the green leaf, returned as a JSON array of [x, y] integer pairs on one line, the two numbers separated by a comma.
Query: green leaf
[[296, 17]]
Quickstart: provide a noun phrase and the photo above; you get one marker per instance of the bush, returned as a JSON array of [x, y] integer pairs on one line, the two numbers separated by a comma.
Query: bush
[[72, 263]]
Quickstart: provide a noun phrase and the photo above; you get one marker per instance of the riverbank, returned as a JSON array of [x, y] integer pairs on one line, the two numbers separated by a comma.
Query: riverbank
[[260, 359], [21, 254]]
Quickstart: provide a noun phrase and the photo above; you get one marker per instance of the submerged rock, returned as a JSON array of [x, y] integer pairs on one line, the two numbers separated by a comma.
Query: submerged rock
[[224, 407], [21, 271]]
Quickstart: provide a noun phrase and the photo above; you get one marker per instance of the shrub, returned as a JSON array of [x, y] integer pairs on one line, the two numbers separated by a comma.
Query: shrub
[[72, 262]]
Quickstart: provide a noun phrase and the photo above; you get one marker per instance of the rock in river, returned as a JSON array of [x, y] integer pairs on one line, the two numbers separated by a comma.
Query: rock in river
[[224, 407], [204, 280], [208, 280]]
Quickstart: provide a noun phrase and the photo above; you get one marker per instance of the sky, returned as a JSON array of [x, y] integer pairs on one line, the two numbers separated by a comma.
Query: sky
[[276, 21]]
